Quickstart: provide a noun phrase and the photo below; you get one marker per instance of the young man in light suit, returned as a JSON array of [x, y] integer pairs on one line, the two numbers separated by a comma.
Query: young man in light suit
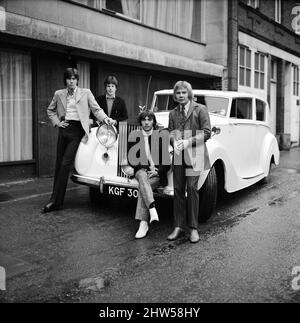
[[189, 127], [69, 111]]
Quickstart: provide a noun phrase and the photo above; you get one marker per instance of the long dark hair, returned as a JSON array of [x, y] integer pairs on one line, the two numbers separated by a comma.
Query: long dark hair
[[69, 72], [147, 113]]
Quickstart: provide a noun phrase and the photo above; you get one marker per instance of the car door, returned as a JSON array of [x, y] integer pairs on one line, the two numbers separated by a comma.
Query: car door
[[242, 137]]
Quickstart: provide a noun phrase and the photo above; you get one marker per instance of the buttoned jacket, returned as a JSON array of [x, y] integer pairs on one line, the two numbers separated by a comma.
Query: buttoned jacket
[[118, 110], [196, 128]]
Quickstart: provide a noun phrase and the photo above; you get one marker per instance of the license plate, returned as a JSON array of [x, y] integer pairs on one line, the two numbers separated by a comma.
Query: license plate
[[122, 191]]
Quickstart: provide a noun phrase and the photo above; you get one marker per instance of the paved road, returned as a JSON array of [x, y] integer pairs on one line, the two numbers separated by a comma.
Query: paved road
[[247, 251]]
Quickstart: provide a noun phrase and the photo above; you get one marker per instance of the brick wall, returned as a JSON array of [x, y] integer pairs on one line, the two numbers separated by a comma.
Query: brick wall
[[259, 24]]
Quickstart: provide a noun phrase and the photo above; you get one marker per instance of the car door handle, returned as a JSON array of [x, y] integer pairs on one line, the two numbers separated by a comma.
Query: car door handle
[[42, 122]]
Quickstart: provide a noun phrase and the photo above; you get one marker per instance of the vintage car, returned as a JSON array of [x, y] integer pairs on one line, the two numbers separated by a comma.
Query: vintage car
[[241, 150]]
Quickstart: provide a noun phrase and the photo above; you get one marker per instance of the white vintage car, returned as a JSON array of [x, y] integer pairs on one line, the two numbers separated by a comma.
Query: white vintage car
[[242, 149]]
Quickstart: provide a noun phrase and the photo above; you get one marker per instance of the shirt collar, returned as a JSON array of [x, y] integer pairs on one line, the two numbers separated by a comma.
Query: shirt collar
[[110, 97], [75, 90], [186, 107], [148, 133]]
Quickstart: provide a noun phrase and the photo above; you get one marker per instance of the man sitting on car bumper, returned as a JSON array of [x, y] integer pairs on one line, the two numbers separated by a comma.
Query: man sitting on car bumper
[[148, 154]]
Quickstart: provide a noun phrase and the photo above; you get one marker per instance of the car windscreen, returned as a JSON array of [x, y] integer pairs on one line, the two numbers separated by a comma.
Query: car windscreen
[[214, 104]]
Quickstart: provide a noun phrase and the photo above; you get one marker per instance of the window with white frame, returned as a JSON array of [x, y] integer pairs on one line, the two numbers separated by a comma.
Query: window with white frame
[[244, 66], [295, 80], [180, 17], [253, 3], [278, 11], [259, 71]]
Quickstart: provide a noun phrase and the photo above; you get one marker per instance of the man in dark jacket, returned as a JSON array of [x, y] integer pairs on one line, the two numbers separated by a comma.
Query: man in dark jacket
[[113, 105], [148, 154]]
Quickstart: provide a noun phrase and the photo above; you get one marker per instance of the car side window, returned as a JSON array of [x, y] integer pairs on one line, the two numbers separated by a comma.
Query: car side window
[[241, 108], [260, 110], [164, 103]]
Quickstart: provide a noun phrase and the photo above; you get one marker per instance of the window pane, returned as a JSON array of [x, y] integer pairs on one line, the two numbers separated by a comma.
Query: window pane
[[15, 106], [256, 80], [262, 63], [260, 110], [242, 56], [244, 108], [248, 58], [256, 61], [248, 77], [196, 28], [262, 81], [215, 105], [242, 76], [161, 103]]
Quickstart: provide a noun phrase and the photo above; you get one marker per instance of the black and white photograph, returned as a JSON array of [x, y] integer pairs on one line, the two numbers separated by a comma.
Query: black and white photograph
[[149, 154]]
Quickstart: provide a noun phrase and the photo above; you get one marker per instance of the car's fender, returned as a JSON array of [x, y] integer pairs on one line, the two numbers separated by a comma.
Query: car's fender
[[216, 153], [269, 149]]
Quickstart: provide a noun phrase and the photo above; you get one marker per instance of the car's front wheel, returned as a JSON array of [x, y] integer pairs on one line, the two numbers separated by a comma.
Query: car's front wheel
[[96, 197], [208, 196]]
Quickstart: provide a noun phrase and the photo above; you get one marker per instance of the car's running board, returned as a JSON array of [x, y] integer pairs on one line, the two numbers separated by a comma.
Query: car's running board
[[251, 177]]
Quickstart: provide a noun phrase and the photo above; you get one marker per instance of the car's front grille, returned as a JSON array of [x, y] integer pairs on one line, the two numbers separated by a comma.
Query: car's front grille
[[124, 131]]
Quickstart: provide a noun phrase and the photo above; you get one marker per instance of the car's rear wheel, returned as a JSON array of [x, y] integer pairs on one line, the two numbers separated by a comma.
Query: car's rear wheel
[[208, 196], [96, 197]]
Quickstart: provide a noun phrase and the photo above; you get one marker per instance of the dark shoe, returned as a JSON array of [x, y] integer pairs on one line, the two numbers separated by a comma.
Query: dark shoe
[[175, 234], [194, 236], [51, 207]]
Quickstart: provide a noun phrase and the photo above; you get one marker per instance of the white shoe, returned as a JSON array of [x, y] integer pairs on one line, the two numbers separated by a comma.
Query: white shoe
[[153, 215], [142, 231]]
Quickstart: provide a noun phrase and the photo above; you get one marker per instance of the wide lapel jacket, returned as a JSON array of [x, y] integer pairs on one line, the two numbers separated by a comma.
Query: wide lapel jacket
[[85, 102], [196, 129]]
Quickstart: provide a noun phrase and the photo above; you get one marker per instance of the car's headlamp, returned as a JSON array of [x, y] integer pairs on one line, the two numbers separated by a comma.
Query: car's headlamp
[[107, 135]]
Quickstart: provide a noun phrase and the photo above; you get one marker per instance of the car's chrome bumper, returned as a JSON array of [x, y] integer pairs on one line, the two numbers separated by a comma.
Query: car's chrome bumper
[[103, 181]]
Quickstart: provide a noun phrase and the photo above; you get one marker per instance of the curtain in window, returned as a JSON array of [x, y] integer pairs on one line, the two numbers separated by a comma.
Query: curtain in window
[[131, 8], [174, 16], [91, 3], [84, 74], [15, 106]]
